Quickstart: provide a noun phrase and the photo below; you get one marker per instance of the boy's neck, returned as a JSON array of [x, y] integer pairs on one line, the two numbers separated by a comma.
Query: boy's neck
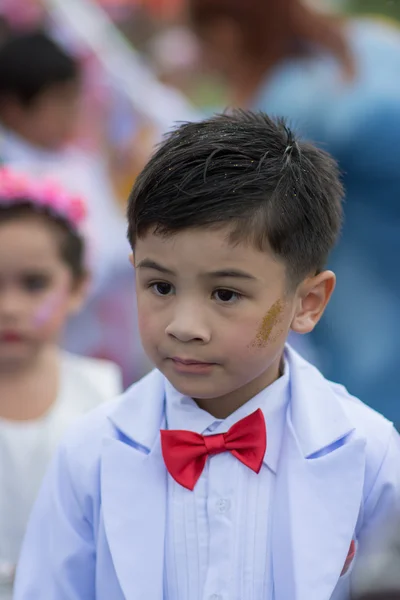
[[222, 407], [28, 393]]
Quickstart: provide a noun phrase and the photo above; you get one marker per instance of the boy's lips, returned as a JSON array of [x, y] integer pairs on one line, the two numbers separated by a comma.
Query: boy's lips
[[190, 361], [190, 366]]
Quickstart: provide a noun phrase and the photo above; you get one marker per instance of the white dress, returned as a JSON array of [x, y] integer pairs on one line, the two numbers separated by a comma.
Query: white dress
[[26, 448]]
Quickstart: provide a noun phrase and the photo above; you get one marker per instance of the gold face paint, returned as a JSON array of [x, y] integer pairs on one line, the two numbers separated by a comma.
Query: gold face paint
[[268, 324]]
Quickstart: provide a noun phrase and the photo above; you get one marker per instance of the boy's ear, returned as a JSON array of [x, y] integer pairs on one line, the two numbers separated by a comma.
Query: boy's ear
[[132, 259], [79, 293], [312, 297]]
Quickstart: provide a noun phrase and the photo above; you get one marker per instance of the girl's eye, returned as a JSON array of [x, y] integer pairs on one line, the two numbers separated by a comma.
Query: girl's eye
[[227, 296], [36, 283], [161, 288]]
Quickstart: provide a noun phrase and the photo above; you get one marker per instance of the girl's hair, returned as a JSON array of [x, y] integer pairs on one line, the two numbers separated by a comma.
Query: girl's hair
[[32, 62], [22, 197], [302, 23]]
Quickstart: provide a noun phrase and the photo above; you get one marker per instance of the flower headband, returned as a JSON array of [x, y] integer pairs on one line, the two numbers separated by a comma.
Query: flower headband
[[18, 188]]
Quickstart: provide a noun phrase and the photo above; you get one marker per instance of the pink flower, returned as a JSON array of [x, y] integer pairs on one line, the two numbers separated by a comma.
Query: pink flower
[[44, 193]]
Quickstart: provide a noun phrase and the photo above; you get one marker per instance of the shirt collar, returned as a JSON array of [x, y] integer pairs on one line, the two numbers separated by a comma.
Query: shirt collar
[[182, 412]]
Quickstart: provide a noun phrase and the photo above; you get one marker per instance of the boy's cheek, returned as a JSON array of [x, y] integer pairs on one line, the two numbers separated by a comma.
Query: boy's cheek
[[241, 333], [147, 324]]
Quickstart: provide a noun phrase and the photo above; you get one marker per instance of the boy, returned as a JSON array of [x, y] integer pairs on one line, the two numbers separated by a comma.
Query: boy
[[266, 480]]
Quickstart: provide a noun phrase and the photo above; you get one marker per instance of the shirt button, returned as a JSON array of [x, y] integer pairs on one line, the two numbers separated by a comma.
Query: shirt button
[[223, 506], [215, 597]]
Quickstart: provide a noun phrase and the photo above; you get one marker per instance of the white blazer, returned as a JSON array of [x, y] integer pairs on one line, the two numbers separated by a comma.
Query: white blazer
[[98, 528]]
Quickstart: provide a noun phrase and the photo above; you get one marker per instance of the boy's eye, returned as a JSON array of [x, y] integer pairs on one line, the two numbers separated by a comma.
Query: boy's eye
[[226, 296], [161, 288], [35, 283]]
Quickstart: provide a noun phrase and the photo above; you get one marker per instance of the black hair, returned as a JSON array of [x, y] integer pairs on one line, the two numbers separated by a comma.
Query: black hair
[[250, 172], [32, 62], [71, 243]]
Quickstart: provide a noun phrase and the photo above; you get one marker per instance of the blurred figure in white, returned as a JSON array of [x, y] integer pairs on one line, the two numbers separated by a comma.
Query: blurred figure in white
[[43, 389]]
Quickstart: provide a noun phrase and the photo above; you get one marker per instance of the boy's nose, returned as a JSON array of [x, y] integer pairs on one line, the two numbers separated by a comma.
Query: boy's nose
[[188, 325]]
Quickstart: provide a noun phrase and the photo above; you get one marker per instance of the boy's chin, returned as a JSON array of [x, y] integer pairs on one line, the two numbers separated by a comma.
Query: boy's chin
[[195, 387]]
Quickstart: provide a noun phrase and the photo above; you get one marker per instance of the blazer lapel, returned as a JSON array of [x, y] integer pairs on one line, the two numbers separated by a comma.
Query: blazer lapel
[[133, 487], [318, 490]]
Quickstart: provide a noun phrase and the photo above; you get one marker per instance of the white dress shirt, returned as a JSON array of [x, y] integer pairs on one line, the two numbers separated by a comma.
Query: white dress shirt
[[218, 542]]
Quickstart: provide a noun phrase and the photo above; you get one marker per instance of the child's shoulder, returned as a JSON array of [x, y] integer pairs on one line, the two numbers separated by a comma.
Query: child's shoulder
[[330, 403], [134, 418], [377, 431], [337, 416], [326, 418], [140, 404], [363, 415], [102, 375]]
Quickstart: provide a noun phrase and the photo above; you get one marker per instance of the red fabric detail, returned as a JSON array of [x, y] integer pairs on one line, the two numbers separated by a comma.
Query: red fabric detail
[[185, 453], [349, 559], [215, 444]]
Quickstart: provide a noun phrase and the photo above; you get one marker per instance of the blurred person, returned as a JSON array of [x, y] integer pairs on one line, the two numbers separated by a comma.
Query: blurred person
[[174, 54], [43, 389], [22, 15], [338, 82], [380, 594], [379, 575], [383, 595], [233, 470], [40, 97]]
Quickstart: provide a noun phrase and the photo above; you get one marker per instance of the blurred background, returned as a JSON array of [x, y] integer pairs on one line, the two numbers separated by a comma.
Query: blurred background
[[90, 113]]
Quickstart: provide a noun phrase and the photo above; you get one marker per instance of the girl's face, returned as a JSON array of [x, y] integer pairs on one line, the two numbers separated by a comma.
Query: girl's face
[[37, 291]]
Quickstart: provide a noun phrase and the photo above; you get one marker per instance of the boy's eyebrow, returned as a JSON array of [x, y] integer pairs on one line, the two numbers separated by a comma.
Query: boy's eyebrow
[[233, 273], [146, 263]]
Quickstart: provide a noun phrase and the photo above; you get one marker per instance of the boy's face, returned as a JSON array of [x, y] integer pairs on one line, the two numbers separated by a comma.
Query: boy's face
[[214, 317]]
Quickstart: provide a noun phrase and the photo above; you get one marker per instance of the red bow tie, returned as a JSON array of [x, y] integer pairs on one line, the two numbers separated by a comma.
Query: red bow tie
[[185, 453]]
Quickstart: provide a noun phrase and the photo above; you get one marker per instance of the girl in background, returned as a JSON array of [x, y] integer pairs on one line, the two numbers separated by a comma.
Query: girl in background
[[43, 281], [44, 95]]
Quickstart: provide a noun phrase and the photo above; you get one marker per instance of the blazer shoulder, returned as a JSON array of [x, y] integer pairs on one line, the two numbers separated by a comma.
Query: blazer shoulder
[[366, 419], [90, 430], [377, 431], [83, 443]]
